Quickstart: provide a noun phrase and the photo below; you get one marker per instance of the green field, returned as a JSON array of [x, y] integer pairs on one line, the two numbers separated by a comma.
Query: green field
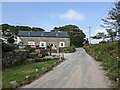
[[23, 74]]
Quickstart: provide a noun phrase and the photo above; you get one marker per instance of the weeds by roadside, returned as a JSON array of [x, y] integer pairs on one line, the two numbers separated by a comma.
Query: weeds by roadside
[[107, 54]]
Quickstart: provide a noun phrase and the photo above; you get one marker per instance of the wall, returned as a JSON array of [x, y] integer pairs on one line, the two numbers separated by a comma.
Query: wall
[[46, 39], [14, 58]]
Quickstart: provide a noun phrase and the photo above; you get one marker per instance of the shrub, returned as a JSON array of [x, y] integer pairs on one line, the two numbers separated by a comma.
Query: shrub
[[14, 58], [69, 49], [29, 48], [54, 51], [33, 55], [7, 47], [44, 52], [10, 40]]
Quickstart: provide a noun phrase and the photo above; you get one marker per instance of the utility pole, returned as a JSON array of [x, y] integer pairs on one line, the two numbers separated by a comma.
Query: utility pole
[[89, 35]]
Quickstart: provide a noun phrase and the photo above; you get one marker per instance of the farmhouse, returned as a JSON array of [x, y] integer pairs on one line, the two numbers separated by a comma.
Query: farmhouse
[[42, 39]]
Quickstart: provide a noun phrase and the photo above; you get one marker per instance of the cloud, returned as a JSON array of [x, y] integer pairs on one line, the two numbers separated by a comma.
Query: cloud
[[70, 15], [100, 30]]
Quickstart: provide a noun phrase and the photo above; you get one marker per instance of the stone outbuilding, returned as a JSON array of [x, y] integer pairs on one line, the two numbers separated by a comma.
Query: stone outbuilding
[[42, 39]]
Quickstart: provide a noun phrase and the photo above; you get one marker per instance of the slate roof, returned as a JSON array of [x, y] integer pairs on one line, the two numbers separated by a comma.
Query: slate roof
[[43, 34]]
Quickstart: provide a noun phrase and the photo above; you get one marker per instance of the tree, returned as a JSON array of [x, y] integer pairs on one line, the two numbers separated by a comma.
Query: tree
[[4, 28], [100, 35], [111, 34], [11, 40], [86, 41], [77, 37], [112, 21], [15, 29]]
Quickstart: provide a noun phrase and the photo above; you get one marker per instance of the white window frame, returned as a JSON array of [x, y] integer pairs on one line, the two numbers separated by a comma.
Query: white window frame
[[61, 43], [44, 43], [31, 43]]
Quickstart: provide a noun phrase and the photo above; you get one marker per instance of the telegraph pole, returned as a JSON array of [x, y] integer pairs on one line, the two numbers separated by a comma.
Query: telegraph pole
[[89, 35]]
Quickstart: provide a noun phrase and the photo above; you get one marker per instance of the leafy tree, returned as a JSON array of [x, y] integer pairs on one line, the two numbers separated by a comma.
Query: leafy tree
[[4, 28], [15, 29], [100, 35], [86, 41], [37, 29], [112, 21], [77, 37], [111, 34], [11, 40]]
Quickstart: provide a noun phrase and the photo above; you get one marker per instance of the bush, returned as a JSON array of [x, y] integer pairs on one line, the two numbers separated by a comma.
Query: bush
[[43, 52], [10, 40], [33, 55], [15, 57], [29, 48], [69, 49], [7, 47], [107, 54]]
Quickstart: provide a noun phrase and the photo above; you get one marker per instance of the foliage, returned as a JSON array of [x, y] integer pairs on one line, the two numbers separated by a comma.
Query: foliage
[[7, 47], [112, 21], [76, 35], [107, 53], [99, 35], [43, 52], [33, 55], [111, 34], [10, 40], [16, 29], [69, 49], [13, 58], [26, 73], [86, 41], [29, 48]]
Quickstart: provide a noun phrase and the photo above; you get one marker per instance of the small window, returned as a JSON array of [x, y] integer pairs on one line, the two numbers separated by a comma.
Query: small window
[[61, 44], [31, 43], [42, 44]]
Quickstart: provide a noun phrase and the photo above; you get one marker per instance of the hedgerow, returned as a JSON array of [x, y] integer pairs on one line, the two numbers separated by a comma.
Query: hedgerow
[[107, 54]]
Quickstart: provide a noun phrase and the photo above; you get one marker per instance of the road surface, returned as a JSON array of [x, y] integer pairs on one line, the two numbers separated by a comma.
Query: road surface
[[78, 71]]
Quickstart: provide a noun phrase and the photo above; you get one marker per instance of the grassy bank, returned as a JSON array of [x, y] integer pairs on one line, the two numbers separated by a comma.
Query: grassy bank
[[107, 54], [22, 74], [69, 49]]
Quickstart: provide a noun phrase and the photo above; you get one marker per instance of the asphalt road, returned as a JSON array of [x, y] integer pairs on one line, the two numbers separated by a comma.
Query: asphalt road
[[78, 71]]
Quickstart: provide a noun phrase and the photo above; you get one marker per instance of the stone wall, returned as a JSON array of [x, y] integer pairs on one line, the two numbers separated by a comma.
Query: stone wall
[[37, 40], [14, 58]]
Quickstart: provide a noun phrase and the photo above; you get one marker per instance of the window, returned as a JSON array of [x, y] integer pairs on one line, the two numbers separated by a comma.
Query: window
[[31, 43], [61, 44], [42, 44]]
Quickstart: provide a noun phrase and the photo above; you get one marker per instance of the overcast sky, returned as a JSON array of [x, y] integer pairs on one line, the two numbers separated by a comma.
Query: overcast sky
[[48, 15]]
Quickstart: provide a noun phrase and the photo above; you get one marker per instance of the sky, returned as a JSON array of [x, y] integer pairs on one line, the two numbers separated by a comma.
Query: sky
[[48, 15]]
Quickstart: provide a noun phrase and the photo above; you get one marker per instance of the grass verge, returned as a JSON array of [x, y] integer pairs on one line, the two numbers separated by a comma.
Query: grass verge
[[22, 74], [107, 54]]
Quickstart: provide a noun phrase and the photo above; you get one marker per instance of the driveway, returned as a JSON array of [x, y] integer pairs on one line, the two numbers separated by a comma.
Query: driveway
[[78, 71]]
